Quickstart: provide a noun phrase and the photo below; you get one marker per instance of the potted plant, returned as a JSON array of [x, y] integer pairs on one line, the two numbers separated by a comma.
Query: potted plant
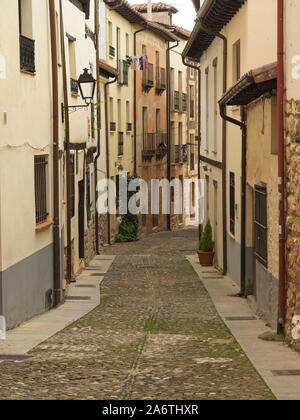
[[206, 247]]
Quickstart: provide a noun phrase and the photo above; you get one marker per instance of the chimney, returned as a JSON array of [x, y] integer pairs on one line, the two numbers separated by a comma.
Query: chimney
[[149, 10]]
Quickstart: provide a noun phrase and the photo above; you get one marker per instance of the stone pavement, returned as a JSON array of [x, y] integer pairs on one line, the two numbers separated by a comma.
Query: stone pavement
[[156, 335], [267, 357]]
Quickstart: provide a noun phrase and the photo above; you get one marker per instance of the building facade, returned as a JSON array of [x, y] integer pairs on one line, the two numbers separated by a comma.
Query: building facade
[[233, 174]]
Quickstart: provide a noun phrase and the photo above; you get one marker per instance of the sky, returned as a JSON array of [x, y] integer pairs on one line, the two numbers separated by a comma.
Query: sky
[[186, 16]]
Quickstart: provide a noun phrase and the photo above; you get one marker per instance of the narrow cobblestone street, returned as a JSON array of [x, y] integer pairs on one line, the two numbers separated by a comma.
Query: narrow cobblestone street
[[156, 335]]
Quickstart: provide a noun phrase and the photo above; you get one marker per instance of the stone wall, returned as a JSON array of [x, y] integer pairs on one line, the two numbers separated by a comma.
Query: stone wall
[[293, 213], [89, 242]]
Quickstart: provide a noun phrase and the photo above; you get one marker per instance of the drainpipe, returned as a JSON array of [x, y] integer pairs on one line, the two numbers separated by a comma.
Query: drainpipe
[[56, 240], [98, 124], [224, 143], [281, 177], [107, 154], [243, 126], [169, 124], [199, 123], [135, 104], [67, 139]]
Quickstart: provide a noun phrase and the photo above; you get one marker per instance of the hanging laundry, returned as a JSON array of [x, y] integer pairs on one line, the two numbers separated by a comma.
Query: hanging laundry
[[146, 62], [141, 63]]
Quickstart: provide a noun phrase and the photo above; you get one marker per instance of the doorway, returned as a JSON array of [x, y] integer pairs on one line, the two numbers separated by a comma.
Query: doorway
[[81, 219]]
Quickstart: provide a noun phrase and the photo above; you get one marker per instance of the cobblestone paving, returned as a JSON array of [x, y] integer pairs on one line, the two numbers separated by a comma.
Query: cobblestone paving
[[156, 335]]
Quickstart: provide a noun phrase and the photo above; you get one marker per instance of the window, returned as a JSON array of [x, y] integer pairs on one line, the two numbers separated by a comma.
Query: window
[[180, 133], [260, 223], [236, 61], [88, 194], [207, 106], [118, 38], [127, 45], [215, 65], [58, 39], [125, 73], [119, 114], [157, 68], [121, 134], [192, 101], [128, 117], [232, 203], [27, 44], [180, 81], [72, 65], [158, 133], [40, 183], [111, 114], [207, 196]]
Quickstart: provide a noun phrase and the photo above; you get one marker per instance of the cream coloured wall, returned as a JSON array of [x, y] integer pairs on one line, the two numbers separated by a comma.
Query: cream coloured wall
[[120, 92], [25, 130], [252, 29], [262, 168]]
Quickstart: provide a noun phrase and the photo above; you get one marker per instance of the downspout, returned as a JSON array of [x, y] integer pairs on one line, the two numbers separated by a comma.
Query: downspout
[[198, 69], [224, 143], [281, 177], [98, 124], [135, 104], [56, 239], [107, 155], [67, 139], [243, 126], [169, 124]]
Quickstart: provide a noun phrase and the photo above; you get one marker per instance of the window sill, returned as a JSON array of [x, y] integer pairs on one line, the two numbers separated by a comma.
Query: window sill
[[43, 226], [28, 72]]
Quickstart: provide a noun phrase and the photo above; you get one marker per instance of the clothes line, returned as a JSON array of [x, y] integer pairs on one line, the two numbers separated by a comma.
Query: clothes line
[[138, 62]]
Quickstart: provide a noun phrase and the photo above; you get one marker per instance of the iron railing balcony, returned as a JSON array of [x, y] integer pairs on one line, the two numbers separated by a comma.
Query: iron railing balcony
[[161, 83], [161, 144], [27, 54], [112, 51], [112, 126], [148, 144], [148, 77]]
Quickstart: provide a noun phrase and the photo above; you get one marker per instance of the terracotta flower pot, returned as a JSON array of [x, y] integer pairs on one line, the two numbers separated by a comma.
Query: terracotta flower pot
[[206, 258]]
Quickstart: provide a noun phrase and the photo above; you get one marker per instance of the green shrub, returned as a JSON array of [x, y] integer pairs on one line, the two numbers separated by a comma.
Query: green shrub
[[206, 243], [129, 226]]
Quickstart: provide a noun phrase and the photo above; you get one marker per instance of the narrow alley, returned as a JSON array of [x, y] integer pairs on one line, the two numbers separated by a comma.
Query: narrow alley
[[155, 335]]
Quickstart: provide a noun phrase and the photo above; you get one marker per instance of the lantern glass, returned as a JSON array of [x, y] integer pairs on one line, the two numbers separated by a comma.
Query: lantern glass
[[87, 85]]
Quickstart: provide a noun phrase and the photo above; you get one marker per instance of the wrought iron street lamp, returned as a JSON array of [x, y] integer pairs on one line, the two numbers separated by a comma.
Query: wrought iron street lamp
[[87, 85]]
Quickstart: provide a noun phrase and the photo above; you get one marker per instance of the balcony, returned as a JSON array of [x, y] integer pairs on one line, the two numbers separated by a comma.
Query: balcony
[[148, 78], [27, 54], [112, 51], [74, 86], [112, 126], [161, 83], [176, 154], [148, 145], [161, 145]]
